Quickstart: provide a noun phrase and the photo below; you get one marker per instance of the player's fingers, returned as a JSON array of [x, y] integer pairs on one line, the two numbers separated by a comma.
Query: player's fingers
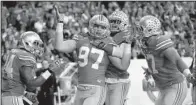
[[152, 83], [57, 10], [144, 68]]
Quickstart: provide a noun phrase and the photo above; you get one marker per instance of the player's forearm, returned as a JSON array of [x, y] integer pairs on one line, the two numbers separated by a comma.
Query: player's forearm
[[66, 46], [113, 50], [59, 36], [176, 59], [181, 65], [172, 55], [117, 52], [36, 82], [126, 58], [124, 62]]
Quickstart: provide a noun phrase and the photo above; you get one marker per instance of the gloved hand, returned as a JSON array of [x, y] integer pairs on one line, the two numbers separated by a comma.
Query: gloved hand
[[148, 77], [60, 17], [190, 78], [151, 81], [32, 97], [146, 72]]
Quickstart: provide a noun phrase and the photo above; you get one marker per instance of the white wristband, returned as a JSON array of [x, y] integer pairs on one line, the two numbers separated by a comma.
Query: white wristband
[[127, 48], [186, 72], [39, 65], [117, 53], [46, 74]]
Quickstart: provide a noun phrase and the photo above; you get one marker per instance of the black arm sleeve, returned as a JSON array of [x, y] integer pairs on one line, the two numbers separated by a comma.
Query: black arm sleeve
[[28, 77]]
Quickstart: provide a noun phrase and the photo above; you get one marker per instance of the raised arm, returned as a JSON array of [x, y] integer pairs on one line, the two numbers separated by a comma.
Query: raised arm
[[66, 46]]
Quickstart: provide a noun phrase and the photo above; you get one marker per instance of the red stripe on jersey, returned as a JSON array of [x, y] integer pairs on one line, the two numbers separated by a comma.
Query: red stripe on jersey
[[27, 58], [164, 44]]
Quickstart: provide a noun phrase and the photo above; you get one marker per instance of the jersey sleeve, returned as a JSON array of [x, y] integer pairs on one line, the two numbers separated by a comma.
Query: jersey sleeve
[[25, 58], [26, 61], [163, 42]]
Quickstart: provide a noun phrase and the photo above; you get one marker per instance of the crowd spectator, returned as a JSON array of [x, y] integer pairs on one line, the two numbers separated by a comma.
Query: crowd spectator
[[20, 16]]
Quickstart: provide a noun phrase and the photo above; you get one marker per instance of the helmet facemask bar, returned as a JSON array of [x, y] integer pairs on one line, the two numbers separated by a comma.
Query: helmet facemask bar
[[114, 25], [99, 31], [38, 48]]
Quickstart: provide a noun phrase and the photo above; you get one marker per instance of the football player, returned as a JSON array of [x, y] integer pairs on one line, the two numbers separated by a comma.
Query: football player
[[194, 82], [164, 63], [19, 70], [117, 80], [193, 68], [92, 61]]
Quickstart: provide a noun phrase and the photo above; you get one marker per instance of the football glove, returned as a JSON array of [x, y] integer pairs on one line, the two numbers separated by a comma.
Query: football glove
[[151, 81], [32, 97], [191, 79], [60, 17]]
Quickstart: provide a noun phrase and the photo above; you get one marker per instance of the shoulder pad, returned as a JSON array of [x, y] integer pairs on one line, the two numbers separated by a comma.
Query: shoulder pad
[[25, 57], [163, 42]]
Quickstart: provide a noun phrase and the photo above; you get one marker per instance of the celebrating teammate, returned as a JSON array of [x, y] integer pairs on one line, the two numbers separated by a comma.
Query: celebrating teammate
[[93, 62], [118, 79], [193, 68], [164, 63], [18, 71]]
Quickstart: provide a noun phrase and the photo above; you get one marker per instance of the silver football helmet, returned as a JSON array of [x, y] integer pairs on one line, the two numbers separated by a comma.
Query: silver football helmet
[[119, 21], [99, 27], [32, 43], [149, 26]]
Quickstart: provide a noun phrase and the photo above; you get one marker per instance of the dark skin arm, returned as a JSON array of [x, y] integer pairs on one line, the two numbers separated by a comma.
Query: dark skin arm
[[124, 62], [172, 55], [28, 77]]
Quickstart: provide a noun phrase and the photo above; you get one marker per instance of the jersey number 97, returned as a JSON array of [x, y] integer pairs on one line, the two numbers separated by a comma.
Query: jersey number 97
[[84, 53]]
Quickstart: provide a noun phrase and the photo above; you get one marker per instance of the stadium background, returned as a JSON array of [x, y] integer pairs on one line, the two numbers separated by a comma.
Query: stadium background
[[20, 16]]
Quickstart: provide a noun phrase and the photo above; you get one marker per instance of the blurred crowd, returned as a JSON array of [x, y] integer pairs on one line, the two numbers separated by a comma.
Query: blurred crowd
[[19, 16]]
